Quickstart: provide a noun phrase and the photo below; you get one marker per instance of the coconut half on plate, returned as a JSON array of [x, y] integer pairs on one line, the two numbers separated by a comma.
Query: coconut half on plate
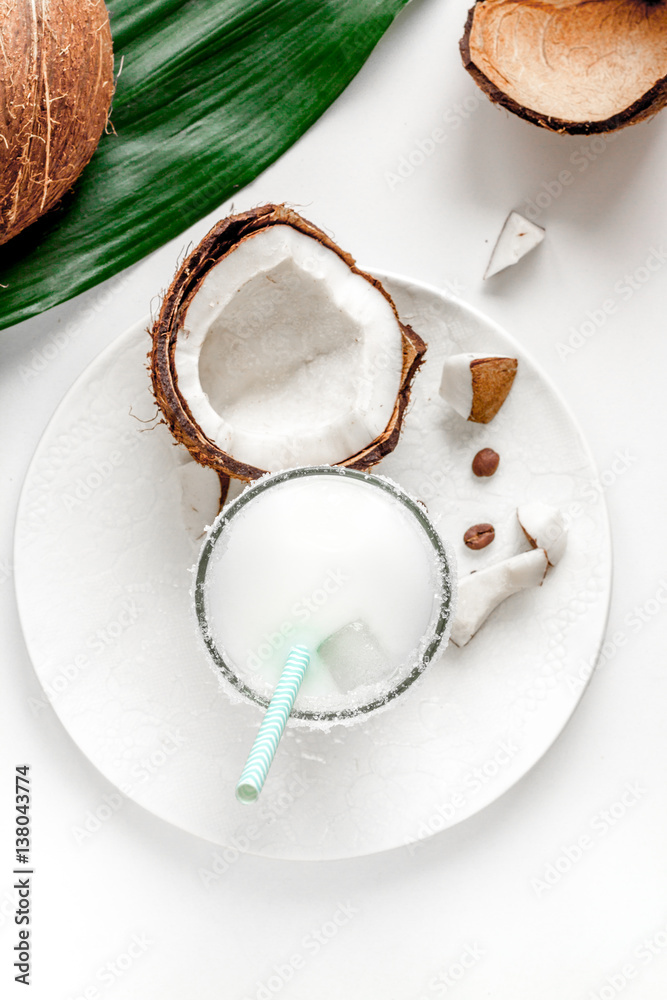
[[576, 66], [272, 350]]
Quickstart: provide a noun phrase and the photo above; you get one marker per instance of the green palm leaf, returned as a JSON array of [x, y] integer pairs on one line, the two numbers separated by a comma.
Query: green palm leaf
[[211, 92]]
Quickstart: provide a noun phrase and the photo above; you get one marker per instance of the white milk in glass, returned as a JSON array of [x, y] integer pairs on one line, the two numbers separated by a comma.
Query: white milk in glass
[[344, 564]]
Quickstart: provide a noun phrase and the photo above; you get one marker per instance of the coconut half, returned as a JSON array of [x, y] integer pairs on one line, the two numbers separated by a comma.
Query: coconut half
[[577, 66], [273, 350]]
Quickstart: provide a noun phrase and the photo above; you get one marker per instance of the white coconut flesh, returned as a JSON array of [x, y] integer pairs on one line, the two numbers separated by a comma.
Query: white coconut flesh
[[517, 238], [480, 593], [574, 60], [456, 381], [286, 356]]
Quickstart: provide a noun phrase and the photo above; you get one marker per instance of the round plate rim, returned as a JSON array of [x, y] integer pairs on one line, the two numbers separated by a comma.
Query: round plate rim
[[407, 283]]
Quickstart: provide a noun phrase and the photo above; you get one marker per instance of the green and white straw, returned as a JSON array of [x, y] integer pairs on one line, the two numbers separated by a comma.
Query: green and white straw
[[273, 724]]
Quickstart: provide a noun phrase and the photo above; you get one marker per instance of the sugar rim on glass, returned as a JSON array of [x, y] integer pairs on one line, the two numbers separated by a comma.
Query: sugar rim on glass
[[434, 637]]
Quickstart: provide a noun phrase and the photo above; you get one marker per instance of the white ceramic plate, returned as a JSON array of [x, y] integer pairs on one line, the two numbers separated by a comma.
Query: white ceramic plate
[[109, 525]]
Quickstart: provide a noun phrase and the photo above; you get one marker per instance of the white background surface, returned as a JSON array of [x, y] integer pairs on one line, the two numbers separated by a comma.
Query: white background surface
[[399, 923]]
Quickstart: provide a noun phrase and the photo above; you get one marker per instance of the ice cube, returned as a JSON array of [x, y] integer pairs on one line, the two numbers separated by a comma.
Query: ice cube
[[354, 656]]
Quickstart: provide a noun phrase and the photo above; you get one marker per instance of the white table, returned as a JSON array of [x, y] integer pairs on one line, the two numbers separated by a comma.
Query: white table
[[558, 889]]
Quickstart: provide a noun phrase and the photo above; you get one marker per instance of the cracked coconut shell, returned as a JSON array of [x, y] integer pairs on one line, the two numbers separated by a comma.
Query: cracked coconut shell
[[56, 84], [575, 66], [272, 350]]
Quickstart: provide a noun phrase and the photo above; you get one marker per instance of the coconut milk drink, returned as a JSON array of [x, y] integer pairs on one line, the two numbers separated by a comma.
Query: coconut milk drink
[[341, 562]]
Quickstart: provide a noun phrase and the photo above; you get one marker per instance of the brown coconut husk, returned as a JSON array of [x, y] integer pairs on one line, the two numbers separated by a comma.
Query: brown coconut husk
[[573, 66], [492, 380], [56, 85], [219, 242]]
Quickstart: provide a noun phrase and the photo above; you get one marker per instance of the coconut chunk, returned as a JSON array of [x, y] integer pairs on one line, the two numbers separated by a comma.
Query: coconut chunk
[[544, 527], [477, 385], [273, 350], [517, 238], [481, 592]]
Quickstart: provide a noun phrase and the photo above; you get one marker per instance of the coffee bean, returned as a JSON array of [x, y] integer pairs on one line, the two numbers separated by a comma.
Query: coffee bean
[[485, 462], [479, 536]]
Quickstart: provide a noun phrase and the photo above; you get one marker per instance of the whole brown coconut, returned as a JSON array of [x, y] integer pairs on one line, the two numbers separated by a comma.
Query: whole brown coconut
[[56, 84], [575, 66], [172, 328]]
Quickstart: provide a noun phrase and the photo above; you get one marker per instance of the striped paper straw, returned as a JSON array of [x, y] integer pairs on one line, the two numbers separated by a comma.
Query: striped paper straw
[[263, 749]]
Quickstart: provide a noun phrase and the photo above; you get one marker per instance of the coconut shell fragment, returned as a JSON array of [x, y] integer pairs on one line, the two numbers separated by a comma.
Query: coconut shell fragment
[[477, 385], [492, 380], [56, 85], [234, 356], [574, 66]]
